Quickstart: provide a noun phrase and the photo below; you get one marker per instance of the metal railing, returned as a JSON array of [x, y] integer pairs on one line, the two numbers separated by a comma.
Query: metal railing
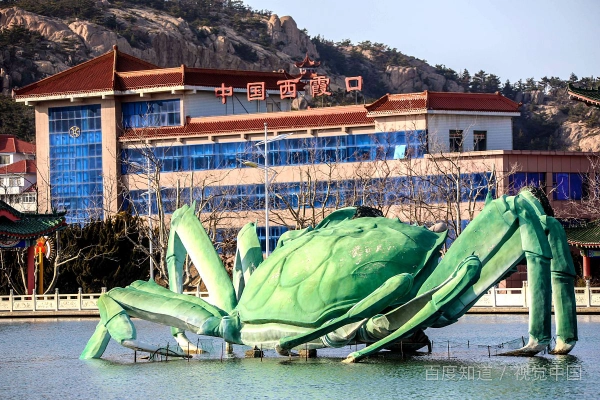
[[495, 297]]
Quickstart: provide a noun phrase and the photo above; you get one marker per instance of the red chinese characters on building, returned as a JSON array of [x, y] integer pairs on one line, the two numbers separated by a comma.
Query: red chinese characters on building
[[288, 88], [256, 91], [318, 86], [354, 83], [224, 92]]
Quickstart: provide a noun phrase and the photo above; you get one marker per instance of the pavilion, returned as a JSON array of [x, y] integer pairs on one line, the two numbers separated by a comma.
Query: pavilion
[[20, 230], [587, 96], [586, 238]]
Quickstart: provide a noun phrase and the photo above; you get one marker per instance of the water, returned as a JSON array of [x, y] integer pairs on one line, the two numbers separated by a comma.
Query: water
[[39, 359]]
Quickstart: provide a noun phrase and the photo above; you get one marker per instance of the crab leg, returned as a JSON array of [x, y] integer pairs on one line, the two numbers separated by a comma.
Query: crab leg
[[187, 236], [149, 301], [410, 317], [248, 257], [118, 325], [538, 255], [563, 275], [549, 269], [383, 296]]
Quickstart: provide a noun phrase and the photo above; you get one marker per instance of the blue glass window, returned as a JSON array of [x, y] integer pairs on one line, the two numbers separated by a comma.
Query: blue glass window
[[335, 194], [519, 180], [142, 114], [569, 186], [292, 151], [76, 183]]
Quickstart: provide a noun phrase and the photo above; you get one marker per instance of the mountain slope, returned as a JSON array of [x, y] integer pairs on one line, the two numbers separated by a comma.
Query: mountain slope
[[38, 39]]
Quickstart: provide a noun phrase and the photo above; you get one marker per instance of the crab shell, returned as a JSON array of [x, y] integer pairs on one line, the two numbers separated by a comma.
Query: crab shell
[[314, 278]]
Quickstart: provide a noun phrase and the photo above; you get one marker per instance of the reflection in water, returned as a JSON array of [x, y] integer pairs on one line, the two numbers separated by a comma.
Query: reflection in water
[[39, 358]]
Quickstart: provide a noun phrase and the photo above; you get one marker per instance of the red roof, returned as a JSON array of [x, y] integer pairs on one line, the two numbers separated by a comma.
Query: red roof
[[307, 63], [451, 101], [10, 144], [20, 167], [117, 71], [322, 117], [237, 79], [95, 75], [144, 79]]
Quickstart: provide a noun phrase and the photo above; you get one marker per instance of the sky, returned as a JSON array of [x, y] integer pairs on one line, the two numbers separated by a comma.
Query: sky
[[512, 39]]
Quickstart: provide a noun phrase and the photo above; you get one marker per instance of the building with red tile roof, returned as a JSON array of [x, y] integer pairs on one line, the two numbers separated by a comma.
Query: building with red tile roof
[[18, 173], [103, 126], [393, 104], [11, 144], [117, 74]]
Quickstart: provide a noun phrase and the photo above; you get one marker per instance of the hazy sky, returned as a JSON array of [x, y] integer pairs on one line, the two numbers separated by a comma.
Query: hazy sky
[[512, 39]]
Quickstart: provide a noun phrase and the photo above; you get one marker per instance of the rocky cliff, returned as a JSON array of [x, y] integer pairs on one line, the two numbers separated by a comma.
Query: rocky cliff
[[145, 33]]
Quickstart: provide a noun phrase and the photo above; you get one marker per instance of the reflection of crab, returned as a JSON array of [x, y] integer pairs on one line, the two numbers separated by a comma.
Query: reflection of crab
[[372, 280]]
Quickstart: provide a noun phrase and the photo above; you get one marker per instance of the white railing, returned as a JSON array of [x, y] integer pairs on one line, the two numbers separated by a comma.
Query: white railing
[[518, 297], [59, 302], [495, 297]]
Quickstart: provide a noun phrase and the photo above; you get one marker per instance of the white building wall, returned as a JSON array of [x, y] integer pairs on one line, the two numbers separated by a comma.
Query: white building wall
[[498, 128], [206, 104], [400, 123], [16, 183]]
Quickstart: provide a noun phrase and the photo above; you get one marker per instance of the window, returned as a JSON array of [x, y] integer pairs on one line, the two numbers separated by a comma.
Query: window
[[456, 141], [294, 151], [28, 198], [569, 186], [141, 114], [15, 182], [4, 159], [273, 106], [76, 160], [519, 180], [479, 140]]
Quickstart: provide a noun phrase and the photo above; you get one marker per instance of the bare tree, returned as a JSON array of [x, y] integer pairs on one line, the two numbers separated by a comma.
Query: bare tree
[[588, 206]]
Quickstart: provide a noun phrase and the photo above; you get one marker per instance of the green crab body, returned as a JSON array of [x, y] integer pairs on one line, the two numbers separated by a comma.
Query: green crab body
[[322, 274]]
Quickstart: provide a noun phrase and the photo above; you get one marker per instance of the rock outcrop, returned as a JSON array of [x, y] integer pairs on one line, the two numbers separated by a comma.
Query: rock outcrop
[[285, 34], [416, 79], [159, 38]]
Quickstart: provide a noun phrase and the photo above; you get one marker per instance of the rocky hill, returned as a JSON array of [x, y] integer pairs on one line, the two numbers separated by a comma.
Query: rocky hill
[[38, 39]]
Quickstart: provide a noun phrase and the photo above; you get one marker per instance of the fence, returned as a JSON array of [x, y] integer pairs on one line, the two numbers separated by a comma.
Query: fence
[[495, 297], [518, 297], [58, 301]]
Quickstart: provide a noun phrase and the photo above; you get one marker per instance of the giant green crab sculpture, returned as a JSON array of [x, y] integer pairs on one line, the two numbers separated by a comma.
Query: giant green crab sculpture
[[372, 280]]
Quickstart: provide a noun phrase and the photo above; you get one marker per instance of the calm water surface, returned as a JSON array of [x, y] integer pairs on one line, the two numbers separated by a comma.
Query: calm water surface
[[39, 359]]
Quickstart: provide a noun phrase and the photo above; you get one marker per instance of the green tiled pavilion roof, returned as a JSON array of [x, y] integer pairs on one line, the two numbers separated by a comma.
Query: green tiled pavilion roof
[[587, 235], [590, 97], [18, 225]]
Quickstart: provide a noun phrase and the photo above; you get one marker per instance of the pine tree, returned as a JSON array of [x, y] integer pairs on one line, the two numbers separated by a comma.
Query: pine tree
[[507, 90], [492, 83], [465, 79], [478, 82], [573, 78]]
